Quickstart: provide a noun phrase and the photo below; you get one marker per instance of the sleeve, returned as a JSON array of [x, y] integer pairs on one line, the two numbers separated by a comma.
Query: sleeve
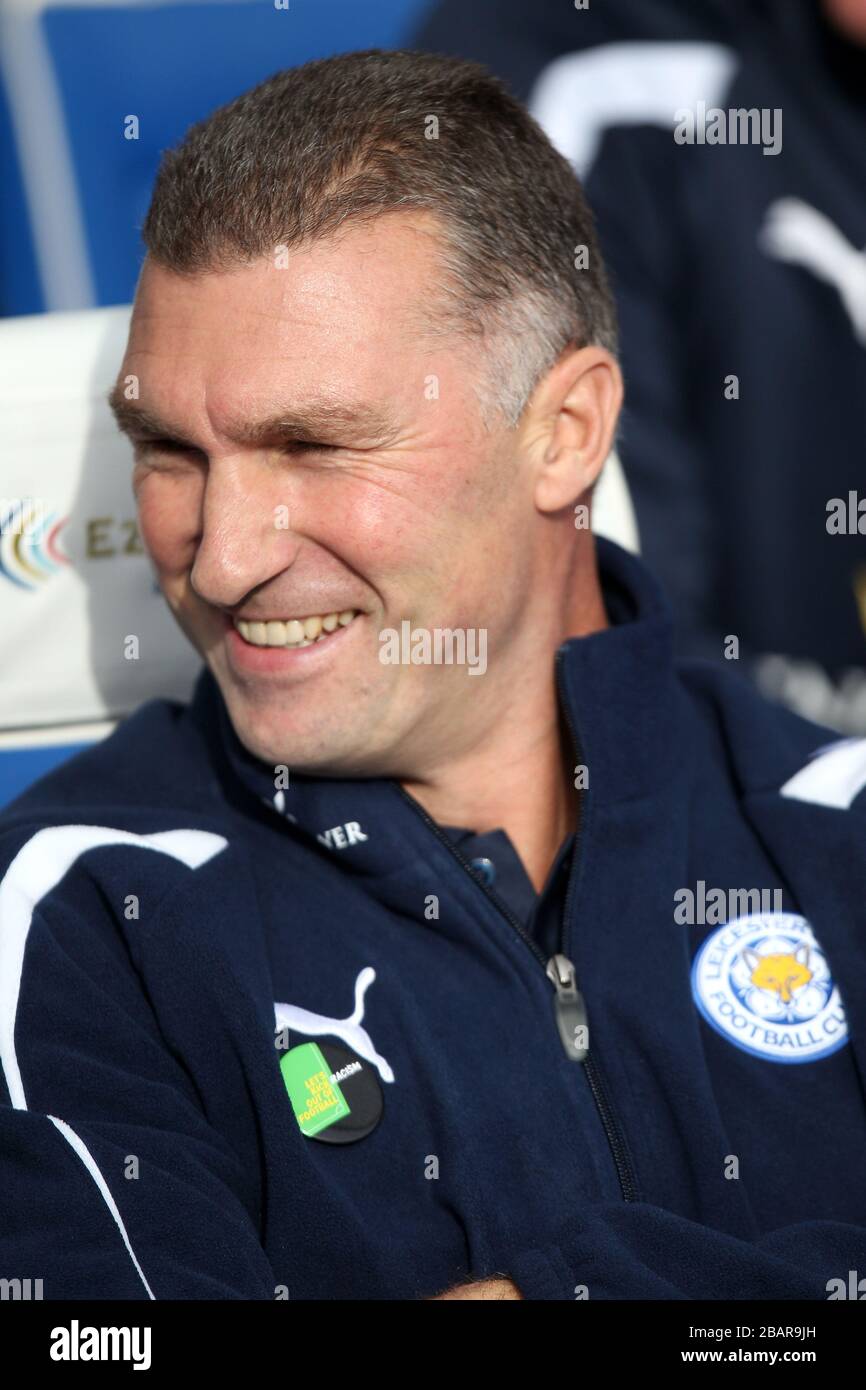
[[638, 1251], [113, 1185]]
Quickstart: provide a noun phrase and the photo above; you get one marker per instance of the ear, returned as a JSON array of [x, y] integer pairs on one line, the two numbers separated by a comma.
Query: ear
[[802, 953], [751, 958], [569, 424]]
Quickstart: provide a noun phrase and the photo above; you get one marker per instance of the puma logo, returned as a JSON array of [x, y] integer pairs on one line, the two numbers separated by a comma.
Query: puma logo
[[779, 974], [348, 1029], [794, 231]]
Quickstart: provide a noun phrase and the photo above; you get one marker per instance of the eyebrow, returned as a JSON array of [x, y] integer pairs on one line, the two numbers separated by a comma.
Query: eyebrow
[[307, 424]]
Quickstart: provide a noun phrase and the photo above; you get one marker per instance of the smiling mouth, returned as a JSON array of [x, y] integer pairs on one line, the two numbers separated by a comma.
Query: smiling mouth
[[293, 632]]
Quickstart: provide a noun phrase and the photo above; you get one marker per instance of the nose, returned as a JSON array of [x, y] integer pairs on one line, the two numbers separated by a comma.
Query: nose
[[246, 537]]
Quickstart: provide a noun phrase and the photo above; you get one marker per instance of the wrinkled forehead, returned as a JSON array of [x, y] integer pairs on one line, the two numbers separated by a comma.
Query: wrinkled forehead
[[344, 317], [380, 278]]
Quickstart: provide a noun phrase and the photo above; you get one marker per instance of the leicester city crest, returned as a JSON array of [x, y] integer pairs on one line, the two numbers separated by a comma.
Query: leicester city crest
[[764, 983]]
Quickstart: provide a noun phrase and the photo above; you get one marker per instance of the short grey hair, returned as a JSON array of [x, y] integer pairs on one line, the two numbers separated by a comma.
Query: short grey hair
[[347, 139]]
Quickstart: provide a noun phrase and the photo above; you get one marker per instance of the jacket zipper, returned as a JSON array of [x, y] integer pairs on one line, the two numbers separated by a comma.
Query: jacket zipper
[[597, 1085], [569, 1006]]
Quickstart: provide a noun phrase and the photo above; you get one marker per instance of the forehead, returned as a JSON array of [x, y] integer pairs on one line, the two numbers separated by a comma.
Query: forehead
[[339, 314]]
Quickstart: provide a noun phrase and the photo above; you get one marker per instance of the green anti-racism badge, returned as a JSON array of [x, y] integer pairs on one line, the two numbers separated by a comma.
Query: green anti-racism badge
[[316, 1100], [335, 1093]]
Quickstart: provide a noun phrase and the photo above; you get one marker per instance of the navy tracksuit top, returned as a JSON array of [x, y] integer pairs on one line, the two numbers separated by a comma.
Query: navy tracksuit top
[[667, 1101]]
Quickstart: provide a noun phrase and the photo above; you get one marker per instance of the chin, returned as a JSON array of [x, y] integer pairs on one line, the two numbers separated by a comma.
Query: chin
[[299, 747]]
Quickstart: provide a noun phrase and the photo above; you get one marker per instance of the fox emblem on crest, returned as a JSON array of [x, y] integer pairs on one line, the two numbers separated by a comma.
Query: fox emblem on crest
[[779, 972]]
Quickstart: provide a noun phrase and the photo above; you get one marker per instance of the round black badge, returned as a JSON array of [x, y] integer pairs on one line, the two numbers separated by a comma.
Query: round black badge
[[359, 1083]]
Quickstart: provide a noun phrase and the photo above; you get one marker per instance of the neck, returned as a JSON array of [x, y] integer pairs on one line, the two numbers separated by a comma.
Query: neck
[[520, 777], [529, 794]]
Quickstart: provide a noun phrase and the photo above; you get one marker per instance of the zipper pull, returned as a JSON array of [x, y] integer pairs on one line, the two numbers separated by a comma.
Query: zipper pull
[[569, 1008]]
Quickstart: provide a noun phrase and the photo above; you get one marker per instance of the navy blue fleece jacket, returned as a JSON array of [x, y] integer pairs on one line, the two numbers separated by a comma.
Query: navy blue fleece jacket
[[680, 1115]]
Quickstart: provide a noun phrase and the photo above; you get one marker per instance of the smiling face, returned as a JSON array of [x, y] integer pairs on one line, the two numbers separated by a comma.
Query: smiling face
[[310, 470]]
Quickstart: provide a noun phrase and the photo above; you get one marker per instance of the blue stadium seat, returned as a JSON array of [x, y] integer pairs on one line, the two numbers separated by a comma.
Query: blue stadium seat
[[75, 185]]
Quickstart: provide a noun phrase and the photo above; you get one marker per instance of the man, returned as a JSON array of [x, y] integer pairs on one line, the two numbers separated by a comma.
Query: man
[[735, 246], [394, 966]]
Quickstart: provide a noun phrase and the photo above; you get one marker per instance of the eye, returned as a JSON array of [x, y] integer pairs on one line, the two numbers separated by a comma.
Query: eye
[[162, 446], [306, 446]]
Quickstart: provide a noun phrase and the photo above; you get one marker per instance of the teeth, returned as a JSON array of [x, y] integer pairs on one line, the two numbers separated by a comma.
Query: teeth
[[294, 632]]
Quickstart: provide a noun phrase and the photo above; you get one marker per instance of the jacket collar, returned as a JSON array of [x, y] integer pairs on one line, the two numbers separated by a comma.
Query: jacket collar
[[618, 691]]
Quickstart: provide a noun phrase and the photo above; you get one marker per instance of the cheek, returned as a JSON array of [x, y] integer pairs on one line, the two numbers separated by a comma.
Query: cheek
[[420, 508], [430, 542], [168, 518]]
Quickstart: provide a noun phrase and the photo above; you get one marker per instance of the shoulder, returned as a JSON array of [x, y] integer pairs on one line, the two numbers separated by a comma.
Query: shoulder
[[149, 786], [154, 758], [770, 748]]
